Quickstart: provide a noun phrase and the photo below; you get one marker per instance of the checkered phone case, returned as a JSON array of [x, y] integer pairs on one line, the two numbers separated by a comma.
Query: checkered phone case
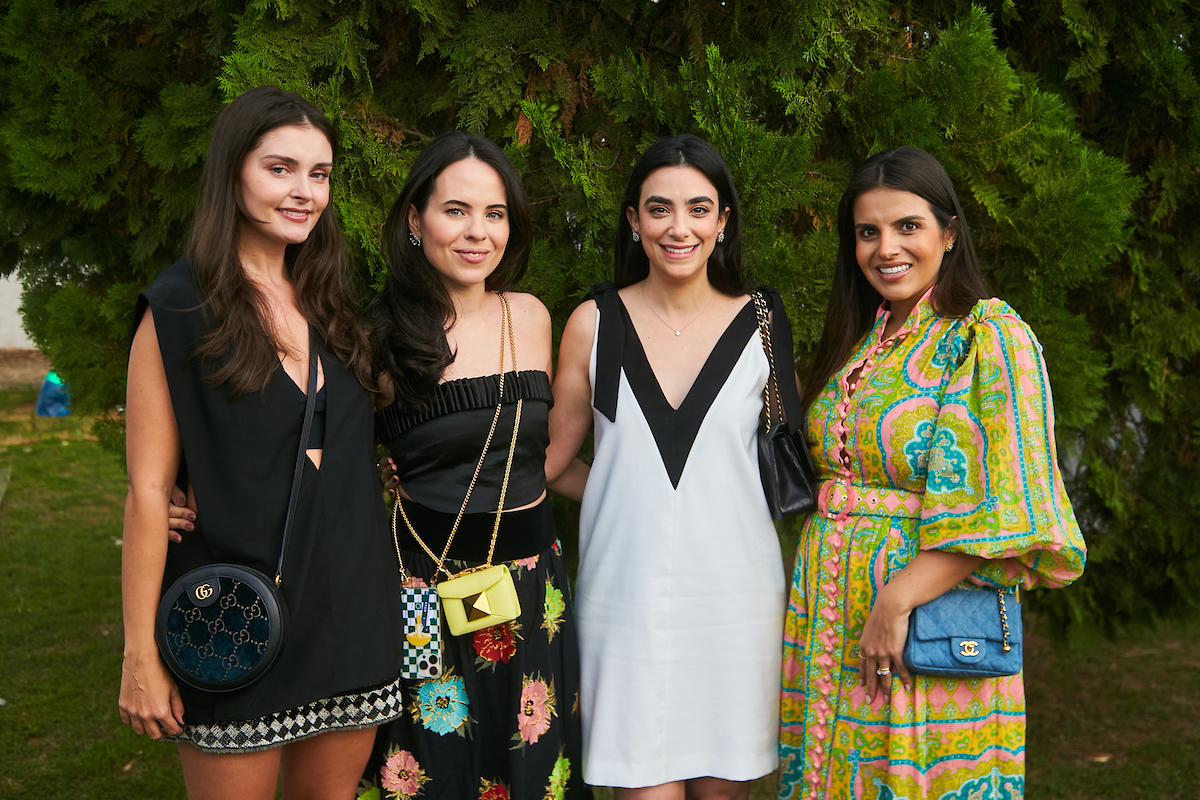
[[422, 634]]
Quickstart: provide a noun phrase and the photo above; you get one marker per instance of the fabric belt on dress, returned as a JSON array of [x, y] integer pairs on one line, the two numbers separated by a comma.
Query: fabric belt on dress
[[839, 498]]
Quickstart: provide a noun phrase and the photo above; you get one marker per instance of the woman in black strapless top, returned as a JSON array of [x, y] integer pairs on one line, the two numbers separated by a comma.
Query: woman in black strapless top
[[501, 717]]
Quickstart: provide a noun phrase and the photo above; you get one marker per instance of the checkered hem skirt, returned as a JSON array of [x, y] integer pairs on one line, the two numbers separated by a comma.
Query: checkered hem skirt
[[363, 709]]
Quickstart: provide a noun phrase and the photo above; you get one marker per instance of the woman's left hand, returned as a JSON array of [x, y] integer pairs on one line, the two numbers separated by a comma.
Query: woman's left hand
[[179, 516], [881, 649], [387, 473]]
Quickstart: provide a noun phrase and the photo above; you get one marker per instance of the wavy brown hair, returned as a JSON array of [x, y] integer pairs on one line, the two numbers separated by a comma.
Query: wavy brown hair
[[241, 343], [852, 300], [410, 316]]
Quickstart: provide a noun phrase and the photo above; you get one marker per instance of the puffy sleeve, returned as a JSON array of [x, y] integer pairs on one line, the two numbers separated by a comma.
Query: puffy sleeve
[[993, 487]]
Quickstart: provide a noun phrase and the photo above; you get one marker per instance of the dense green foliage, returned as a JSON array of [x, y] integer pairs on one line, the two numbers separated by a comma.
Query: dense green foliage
[[1070, 128]]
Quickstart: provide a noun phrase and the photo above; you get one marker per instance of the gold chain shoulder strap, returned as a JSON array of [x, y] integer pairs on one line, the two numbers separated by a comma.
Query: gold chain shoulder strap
[[505, 323], [771, 388]]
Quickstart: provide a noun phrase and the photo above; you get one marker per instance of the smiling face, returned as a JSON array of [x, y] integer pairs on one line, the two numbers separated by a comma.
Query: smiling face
[[285, 187], [899, 246], [464, 227], [678, 220]]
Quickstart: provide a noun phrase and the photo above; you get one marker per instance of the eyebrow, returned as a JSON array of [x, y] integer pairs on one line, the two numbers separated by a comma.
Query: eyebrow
[[901, 221], [291, 161], [465, 204], [665, 202]]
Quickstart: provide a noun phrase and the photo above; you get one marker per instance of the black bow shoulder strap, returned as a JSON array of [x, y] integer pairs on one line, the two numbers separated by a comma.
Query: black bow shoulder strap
[[610, 346]]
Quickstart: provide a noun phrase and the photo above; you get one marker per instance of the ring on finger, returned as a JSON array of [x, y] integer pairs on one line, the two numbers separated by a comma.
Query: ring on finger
[[882, 671]]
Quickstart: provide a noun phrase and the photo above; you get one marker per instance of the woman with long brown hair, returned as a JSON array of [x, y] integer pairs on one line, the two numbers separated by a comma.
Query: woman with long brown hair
[[218, 394]]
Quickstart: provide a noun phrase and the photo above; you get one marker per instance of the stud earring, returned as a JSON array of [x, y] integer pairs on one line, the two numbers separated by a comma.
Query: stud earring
[[412, 237], [949, 247], [721, 236], [636, 238]]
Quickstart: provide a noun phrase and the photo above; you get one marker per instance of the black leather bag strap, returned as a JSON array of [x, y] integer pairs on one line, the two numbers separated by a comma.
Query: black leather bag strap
[[785, 362], [309, 405]]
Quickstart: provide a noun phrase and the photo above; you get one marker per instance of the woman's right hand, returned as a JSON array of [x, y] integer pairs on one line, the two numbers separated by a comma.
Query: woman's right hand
[[150, 700], [179, 516]]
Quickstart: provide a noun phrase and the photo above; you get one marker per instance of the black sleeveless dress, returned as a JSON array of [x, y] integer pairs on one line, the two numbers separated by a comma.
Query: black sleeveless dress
[[339, 665], [502, 721]]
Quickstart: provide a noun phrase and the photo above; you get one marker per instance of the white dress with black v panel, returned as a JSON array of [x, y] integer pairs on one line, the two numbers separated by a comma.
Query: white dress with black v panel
[[680, 597]]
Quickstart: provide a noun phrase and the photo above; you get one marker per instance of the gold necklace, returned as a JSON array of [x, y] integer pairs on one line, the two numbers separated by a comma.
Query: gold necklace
[[678, 331]]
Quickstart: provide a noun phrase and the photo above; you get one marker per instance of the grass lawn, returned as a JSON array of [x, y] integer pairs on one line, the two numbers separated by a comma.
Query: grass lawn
[[60, 619], [1122, 721]]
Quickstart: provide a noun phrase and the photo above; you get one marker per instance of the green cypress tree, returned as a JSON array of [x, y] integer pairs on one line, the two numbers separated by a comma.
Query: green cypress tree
[[1068, 128]]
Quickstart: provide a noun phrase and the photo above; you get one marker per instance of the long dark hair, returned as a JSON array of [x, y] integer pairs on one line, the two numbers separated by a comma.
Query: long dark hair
[[725, 263], [853, 302], [241, 341], [410, 317]]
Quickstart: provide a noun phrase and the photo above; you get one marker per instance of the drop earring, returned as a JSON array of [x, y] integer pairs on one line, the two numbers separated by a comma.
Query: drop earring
[[721, 236], [412, 237], [636, 238]]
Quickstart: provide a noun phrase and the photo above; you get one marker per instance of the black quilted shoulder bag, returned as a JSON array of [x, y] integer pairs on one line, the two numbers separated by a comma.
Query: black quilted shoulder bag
[[222, 626], [783, 459]]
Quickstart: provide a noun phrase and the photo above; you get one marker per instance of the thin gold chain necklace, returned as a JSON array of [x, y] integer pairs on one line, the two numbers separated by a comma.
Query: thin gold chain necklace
[[678, 331]]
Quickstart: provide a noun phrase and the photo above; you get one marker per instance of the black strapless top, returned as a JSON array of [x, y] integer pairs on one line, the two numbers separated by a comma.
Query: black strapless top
[[436, 449]]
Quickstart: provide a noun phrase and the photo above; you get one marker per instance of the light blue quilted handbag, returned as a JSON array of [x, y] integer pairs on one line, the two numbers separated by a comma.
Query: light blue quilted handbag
[[966, 633]]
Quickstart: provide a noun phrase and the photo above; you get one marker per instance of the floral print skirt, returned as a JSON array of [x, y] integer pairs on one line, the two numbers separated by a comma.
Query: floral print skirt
[[502, 720]]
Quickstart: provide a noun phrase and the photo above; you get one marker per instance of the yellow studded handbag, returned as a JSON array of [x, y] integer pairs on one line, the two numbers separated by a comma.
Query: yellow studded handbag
[[481, 596]]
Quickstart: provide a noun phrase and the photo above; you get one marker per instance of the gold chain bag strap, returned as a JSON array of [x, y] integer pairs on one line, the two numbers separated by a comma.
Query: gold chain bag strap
[[784, 463], [481, 596]]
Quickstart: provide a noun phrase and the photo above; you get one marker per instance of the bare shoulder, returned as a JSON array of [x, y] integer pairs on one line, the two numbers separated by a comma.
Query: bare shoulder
[[737, 300], [531, 321], [528, 306], [582, 322], [575, 348], [145, 339]]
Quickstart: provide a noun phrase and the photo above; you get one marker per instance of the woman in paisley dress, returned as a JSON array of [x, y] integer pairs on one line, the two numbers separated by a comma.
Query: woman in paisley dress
[[932, 428]]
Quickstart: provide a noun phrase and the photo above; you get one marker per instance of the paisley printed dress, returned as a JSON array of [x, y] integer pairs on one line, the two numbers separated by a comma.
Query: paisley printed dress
[[945, 440]]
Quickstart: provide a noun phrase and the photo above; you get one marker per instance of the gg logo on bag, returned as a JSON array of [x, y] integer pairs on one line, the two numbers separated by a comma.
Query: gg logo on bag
[[205, 591], [969, 648]]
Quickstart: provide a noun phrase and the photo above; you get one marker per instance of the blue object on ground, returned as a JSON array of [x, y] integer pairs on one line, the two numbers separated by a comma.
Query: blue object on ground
[[53, 400]]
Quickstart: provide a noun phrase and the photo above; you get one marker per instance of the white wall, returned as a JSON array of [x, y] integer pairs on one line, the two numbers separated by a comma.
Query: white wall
[[11, 332]]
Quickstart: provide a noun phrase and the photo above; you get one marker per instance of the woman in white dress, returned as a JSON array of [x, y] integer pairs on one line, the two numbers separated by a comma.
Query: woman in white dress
[[680, 594]]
